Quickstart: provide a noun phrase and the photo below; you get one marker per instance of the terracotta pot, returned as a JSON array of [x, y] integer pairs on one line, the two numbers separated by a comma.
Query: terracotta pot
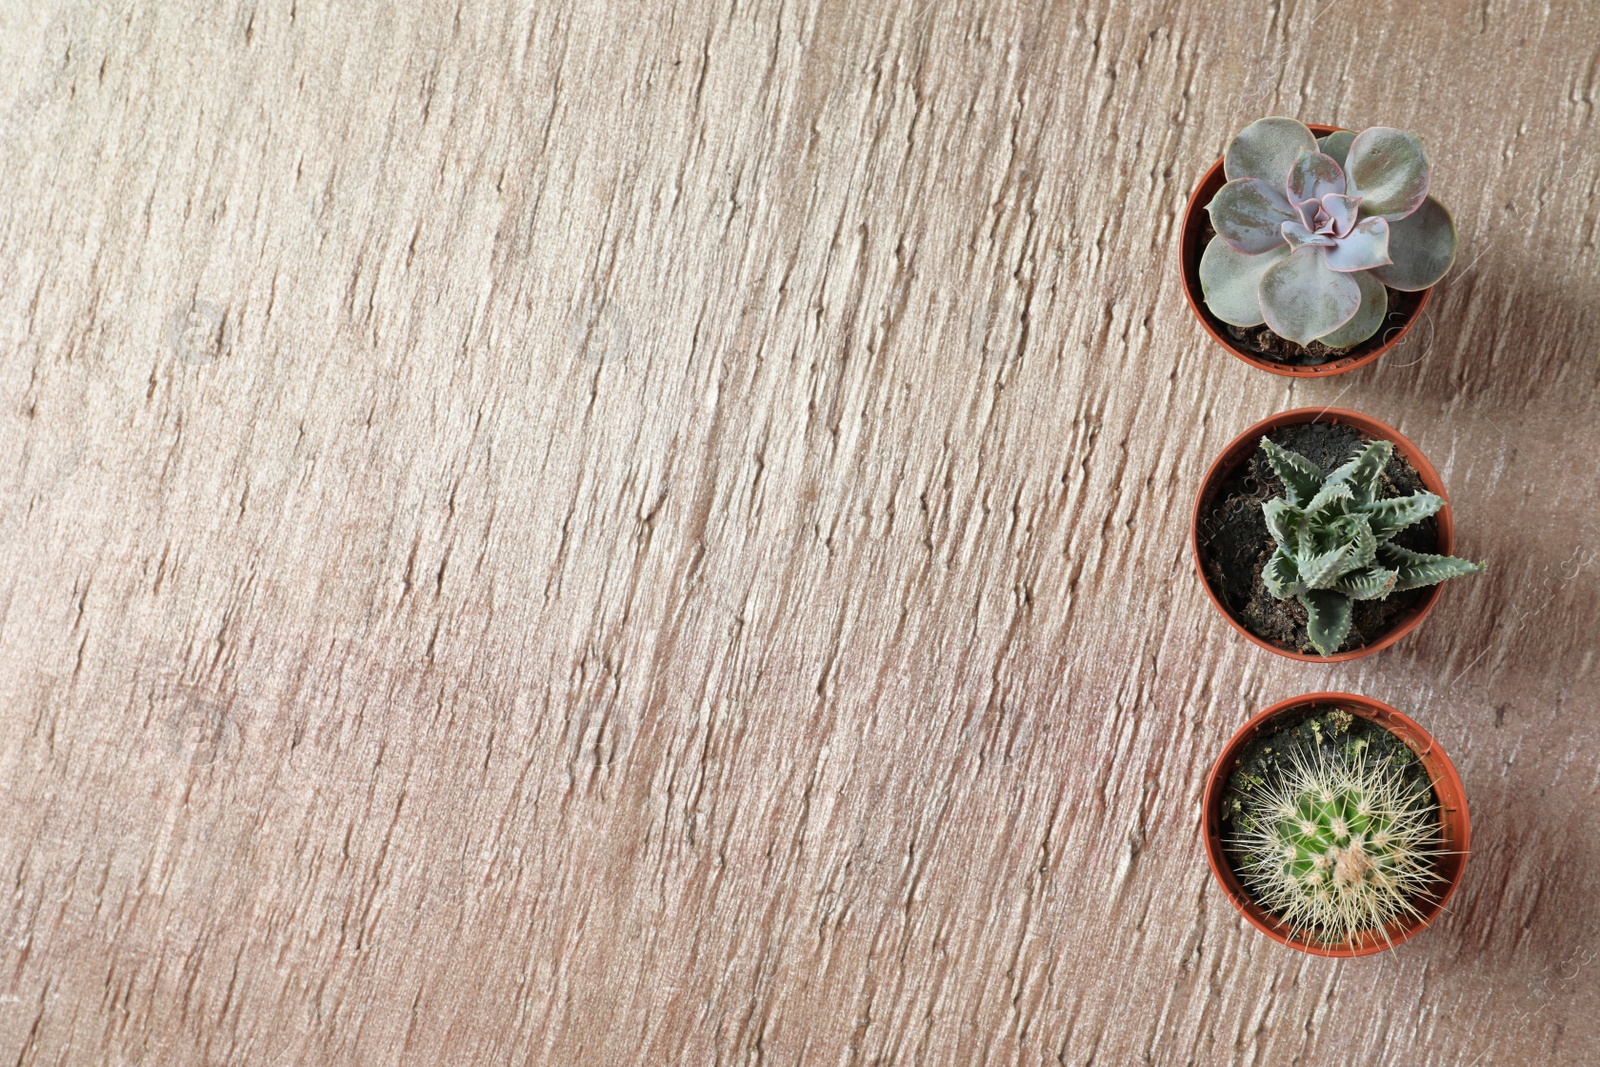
[[1454, 821], [1239, 451], [1403, 312]]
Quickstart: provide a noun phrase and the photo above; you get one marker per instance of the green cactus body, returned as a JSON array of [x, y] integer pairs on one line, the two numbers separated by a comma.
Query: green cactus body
[[1334, 539], [1339, 846]]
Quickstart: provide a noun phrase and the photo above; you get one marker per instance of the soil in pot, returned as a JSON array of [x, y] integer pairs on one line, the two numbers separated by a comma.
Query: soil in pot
[[1331, 735], [1261, 341], [1235, 544]]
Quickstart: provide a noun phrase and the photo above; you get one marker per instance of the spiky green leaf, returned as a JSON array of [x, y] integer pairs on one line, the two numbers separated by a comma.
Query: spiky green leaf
[[1375, 583], [1434, 571], [1388, 517], [1328, 616], [1362, 473], [1417, 569], [1394, 555], [1329, 503], [1354, 549], [1301, 478], [1363, 544], [1282, 520], [1330, 492], [1321, 571], [1280, 576]]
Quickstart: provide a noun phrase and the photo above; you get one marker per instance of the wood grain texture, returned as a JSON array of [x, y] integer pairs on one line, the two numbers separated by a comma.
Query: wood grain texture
[[565, 533]]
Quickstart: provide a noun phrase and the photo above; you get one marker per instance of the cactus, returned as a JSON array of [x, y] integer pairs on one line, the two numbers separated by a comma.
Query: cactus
[[1309, 231], [1340, 845], [1333, 534]]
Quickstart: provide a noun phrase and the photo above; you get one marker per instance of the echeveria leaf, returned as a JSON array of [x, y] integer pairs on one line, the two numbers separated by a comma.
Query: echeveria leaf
[[1342, 210], [1327, 619], [1361, 472], [1266, 149], [1280, 576], [1297, 236], [1313, 176], [1422, 246], [1301, 299], [1442, 568], [1248, 215], [1368, 317], [1373, 584], [1389, 517], [1229, 281], [1336, 145], [1301, 478], [1363, 248], [1389, 170]]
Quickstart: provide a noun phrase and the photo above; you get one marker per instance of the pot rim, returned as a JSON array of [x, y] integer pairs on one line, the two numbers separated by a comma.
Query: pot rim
[[1454, 819], [1242, 447], [1188, 232]]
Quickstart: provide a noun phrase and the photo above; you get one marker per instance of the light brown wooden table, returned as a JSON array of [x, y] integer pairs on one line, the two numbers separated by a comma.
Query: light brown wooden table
[[552, 533]]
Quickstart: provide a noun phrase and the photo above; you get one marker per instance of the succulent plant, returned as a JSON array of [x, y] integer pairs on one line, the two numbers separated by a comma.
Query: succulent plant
[[1310, 231], [1334, 539], [1339, 845]]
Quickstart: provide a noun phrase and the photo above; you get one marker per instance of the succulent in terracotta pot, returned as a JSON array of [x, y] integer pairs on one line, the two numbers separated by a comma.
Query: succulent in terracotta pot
[[1336, 825], [1322, 534], [1311, 233], [1338, 843]]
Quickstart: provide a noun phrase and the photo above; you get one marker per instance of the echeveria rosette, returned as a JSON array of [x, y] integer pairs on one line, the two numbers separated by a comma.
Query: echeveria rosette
[[1309, 232], [1334, 540]]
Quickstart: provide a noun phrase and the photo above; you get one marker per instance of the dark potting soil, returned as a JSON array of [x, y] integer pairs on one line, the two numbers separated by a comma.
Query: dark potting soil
[[1235, 544], [1339, 734], [1261, 341]]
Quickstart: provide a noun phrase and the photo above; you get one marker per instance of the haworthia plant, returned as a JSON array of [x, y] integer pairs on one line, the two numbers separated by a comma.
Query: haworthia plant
[[1341, 846], [1309, 231], [1333, 534]]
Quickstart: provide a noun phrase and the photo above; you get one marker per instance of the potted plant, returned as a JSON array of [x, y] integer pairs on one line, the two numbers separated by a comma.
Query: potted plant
[[1311, 250], [1322, 535], [1335, 824]]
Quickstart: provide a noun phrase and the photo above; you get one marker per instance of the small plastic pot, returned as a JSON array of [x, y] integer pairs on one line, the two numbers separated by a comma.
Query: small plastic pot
[[1455, 824], [1239, 451], [1403, 312]]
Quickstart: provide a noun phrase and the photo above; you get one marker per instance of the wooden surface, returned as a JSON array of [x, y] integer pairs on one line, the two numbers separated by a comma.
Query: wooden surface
[[543, 532]]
